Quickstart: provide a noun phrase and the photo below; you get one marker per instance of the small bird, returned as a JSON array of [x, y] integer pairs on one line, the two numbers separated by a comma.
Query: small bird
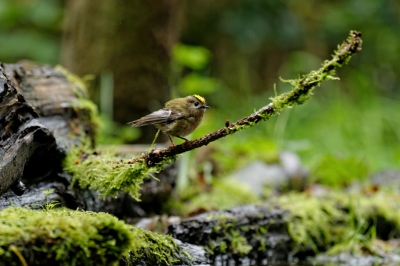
[[178, 118]]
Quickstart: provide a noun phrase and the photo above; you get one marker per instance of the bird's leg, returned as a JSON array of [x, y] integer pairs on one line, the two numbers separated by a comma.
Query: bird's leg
[[155, 138], [185, 139], [173, 144]]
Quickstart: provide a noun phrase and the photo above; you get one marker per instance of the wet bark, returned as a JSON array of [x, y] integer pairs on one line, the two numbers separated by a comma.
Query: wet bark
[[22, 137], [264, 229], [41, 117], [38, 124]]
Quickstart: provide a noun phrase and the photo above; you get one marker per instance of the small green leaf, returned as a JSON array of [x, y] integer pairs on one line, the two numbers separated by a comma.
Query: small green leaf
[[194, 57], [197, 84]]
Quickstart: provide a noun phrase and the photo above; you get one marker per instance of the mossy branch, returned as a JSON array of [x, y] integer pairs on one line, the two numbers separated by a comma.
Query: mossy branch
[[300, 94], [110, 175]]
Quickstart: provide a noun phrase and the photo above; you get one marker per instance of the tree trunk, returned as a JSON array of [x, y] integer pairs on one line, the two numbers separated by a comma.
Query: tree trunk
[[133, 40]]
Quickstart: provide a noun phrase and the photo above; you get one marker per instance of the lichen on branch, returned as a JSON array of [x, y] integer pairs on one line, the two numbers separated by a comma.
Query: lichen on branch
[[111, 175], [300, 94], [107, 173]]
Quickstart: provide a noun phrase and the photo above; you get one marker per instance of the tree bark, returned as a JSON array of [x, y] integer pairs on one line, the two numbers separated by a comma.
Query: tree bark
[[39, 122]]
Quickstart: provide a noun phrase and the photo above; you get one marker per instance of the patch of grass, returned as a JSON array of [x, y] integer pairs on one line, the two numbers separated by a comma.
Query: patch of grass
[[338, 172], [346, 127]]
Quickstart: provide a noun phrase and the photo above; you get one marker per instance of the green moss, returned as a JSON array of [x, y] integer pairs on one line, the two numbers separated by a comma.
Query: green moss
[[103, 172], [314, 222], [62, 237], [338, 220], [155, 249], [84, 108], [222, 217], [108, 174], [238, 243], [233, 242], [303, 87], [88, 114], [67, 237]]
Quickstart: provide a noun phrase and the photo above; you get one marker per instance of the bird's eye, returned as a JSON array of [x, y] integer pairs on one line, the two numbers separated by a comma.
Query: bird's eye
[[196, 104]]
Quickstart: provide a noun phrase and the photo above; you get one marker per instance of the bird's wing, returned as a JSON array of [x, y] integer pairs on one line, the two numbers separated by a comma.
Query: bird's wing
[[157, 117]]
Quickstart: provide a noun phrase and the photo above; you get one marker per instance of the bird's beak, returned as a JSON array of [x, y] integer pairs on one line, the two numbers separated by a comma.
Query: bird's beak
[[205, 107]]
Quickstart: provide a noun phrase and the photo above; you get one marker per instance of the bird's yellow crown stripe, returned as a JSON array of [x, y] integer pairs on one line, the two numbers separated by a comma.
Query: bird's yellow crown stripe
[[201, 99]]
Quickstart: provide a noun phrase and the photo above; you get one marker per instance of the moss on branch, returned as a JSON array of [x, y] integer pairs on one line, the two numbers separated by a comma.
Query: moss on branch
[[301, 93], [110, 175]]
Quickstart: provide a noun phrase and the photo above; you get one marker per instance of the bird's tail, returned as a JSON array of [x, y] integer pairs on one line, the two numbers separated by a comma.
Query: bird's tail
[[139, 123]]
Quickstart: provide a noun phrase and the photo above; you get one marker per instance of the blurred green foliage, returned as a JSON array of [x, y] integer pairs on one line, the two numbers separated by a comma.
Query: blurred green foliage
[[256, 42], [194, 83], [30, 29], [112, 133], [339, 172], [219, 196], [242, 151], [190, 71], [194, 57]]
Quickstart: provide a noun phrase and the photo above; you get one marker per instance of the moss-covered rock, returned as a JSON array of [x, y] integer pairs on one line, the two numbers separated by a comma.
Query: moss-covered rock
[[62, 237], [297, 225], [256, 232], [67, 237], [152, 249]]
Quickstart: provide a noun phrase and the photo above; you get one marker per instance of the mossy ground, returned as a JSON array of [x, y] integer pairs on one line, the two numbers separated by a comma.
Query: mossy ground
[[62, 237], [155, 249], [67, 237]]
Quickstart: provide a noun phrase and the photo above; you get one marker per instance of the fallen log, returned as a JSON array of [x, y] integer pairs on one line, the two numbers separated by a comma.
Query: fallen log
[[45, 111], [297, 227]]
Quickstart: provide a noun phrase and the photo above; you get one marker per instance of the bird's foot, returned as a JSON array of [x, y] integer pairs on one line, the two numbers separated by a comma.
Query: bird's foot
[[172, 143]]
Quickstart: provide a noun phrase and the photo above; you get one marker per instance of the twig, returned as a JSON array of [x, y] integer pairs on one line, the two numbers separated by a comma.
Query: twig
[[300, 94]]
